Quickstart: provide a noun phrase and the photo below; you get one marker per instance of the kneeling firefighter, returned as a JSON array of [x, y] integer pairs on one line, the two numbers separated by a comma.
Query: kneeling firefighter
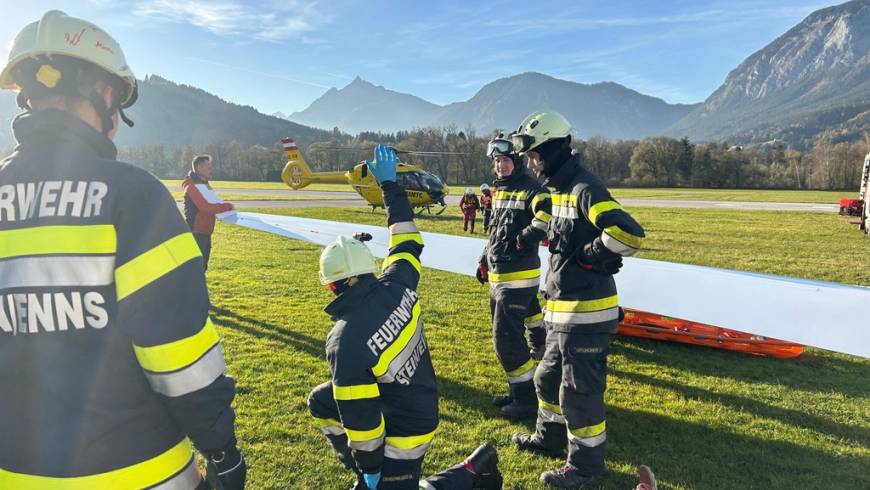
[[511, 264], [588, 236], [380, 410]]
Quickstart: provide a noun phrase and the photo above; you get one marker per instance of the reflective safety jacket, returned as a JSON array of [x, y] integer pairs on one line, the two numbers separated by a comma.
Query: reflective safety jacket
[[521, 211], [382, 375], [109, 365], [580, 300]]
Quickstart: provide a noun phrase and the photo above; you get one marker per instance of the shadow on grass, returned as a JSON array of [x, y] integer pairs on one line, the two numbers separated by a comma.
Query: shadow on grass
[[260, 329], [700, 456], [810, 372]]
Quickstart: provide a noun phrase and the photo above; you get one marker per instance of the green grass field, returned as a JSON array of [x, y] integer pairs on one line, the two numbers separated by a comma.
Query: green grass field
[[702, 418], [241, 196], [752, 195]]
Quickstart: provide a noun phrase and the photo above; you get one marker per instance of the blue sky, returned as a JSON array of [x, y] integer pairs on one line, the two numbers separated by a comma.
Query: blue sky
[[281, 55]]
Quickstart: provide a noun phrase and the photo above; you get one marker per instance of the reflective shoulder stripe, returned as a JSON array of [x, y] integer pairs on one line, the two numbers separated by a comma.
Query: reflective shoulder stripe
[[625, 237], [155, 263], [195, 377], [58, 240], [355, 392], [175, 469], [403, 256], [58, 271], [399, 344], [404, 227], [512, 276], [398, 238], [174, 356], [539, 198], [376, 434], [582, 305], [601, 207]]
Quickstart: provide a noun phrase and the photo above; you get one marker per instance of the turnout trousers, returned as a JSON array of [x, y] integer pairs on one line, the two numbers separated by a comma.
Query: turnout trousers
[[487, 214], [570, 383], [514, 311], [396, 474]]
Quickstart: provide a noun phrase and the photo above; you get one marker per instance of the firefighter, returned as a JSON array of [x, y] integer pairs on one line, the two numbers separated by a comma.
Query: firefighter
[[109, 365], [469, 206], [485, 205], [511, 265], [588, 236], [380, 410]]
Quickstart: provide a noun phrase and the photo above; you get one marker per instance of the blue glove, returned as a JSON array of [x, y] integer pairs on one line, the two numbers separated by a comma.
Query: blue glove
[[384, 166], [372, 479]]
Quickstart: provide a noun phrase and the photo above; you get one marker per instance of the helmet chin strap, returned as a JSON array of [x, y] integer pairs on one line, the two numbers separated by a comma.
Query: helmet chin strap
[[105, 113]]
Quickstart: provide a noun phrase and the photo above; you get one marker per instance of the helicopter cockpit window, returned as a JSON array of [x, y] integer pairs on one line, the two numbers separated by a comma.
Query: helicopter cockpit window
[[431, 182], [409, 181]]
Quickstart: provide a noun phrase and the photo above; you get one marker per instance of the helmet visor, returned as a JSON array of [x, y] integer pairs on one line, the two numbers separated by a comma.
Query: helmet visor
[[499, 147], [522, 142]]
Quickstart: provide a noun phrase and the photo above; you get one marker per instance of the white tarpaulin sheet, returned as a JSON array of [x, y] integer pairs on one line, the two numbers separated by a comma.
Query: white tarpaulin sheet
[[822, 314]]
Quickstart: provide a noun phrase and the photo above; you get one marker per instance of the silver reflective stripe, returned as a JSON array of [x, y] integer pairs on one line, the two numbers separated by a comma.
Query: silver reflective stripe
[[616, 246], [526, 376], [403, 227], [506, 204], [194, 377], [582, 318], [188, 479], [424, 485], [588, 441], [539, 224], [59, 271], [369, 445], [402, 357], [332, 430], [545, 415], [413, 453], [516, 283], [569, 212]]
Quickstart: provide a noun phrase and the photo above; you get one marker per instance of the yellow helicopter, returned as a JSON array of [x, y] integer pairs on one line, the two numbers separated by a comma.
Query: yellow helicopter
[[424, 188]]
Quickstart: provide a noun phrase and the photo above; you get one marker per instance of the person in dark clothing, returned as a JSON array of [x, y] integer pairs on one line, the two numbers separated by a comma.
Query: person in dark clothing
[[589, 235], [198, 212], [380, 410], [120, 373], [486, 205], [511, 264]]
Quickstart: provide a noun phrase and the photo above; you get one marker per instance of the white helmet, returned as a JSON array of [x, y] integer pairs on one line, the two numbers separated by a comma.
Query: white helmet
[[484, 187], [469, 191], [539, 128], [345, 257], [58, 34]]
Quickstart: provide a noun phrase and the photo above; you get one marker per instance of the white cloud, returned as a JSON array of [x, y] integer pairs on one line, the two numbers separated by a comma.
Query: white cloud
[[263, 21]]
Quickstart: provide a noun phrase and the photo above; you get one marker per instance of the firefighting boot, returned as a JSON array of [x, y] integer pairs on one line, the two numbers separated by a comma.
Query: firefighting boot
[[526, 442], [483, 466], [567, 477], [524, 402], [501, 400]]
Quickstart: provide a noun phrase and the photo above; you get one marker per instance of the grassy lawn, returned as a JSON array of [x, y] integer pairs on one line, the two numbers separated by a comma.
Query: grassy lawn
[[702, 418], [241, 196]]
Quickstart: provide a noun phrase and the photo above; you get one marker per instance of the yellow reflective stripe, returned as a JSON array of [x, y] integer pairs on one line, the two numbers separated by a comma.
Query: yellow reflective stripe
[[319, 422], [582, 305], [405, 237], [549, 406], [355, 392], [402, 256], [512, 276], [506, 195], [543, 216], [366, 435], [181, 353], [44, 240], [410, 442], [601, 207], [154, 264], [564, 200], [404, 337], [590, 431], [623, 236], [530, 364], [141, 475], [535, 317]]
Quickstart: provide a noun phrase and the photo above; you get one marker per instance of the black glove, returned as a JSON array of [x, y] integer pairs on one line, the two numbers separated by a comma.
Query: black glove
[[226, 470], [482, 273], [522, 247], [595, 259]]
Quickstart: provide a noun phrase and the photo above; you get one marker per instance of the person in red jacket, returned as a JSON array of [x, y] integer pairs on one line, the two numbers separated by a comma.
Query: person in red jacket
[[469, 206], [198, 212]]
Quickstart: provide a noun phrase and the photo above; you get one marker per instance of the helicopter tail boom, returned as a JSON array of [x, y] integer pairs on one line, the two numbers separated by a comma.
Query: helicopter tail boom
[[296, 173]]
